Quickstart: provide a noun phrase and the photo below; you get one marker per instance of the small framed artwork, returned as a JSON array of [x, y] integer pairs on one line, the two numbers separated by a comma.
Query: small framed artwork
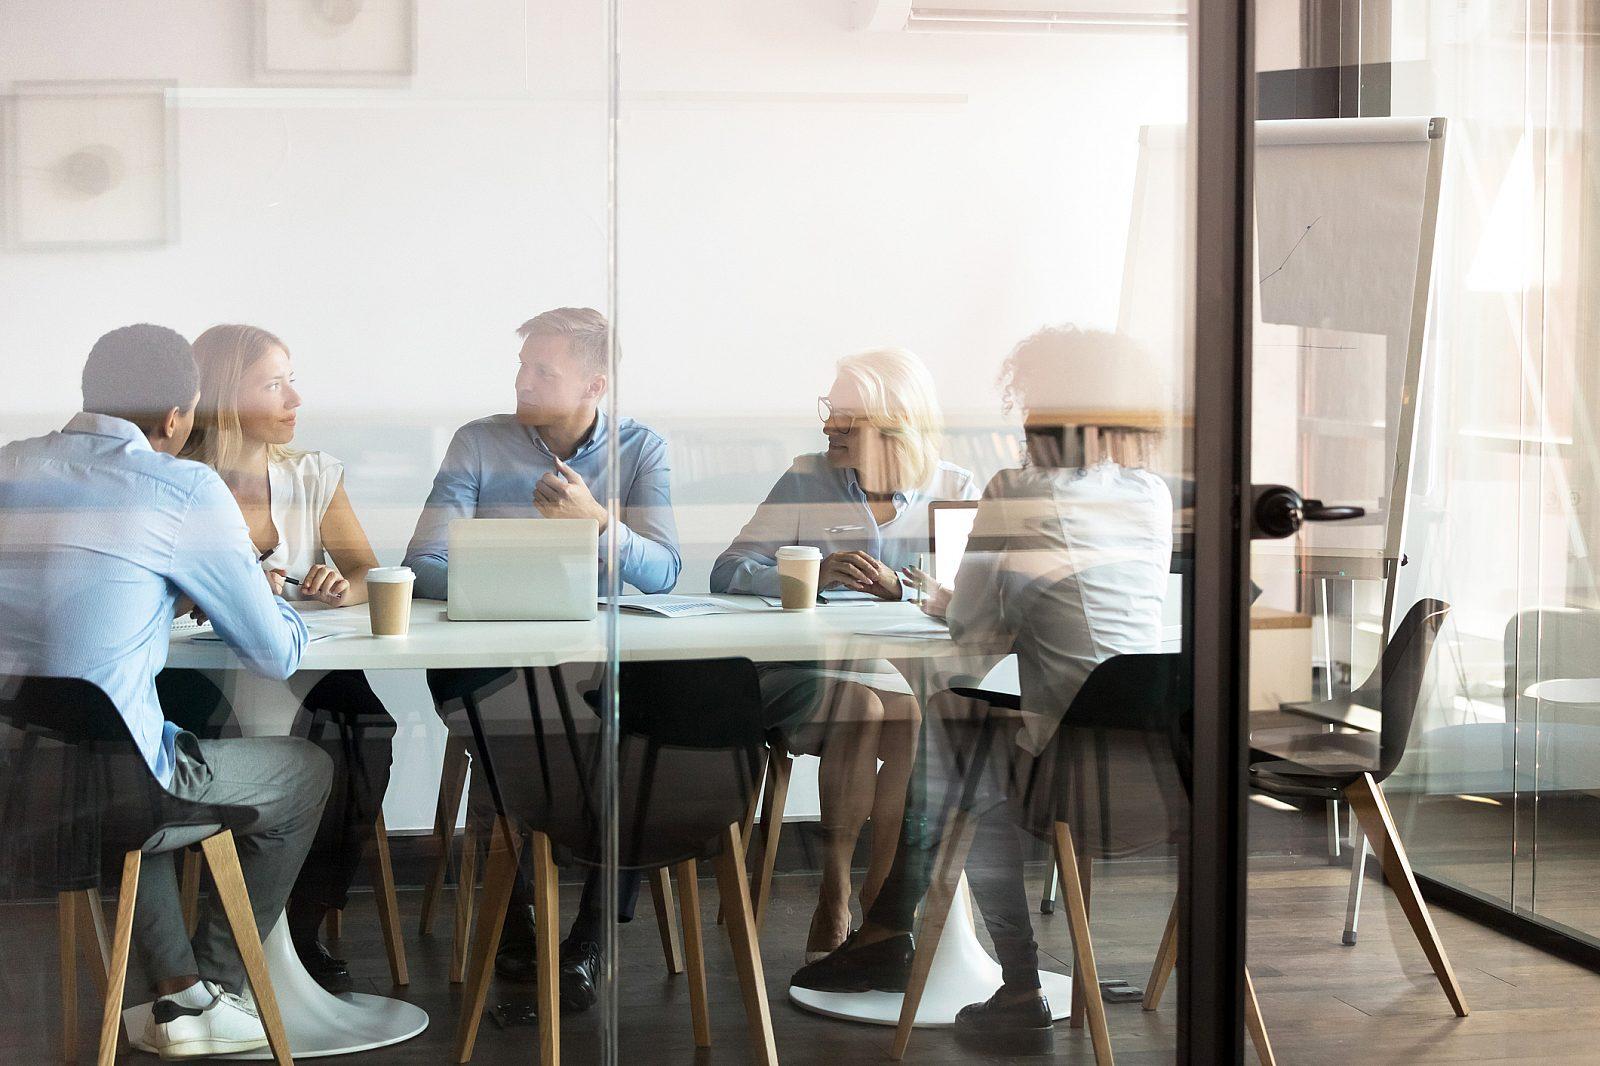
[[335, 42], [90, 165]]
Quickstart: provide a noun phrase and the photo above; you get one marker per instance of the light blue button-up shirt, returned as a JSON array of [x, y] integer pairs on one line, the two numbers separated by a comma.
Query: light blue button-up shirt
[[99, 534], [492, 466], [825, 507]]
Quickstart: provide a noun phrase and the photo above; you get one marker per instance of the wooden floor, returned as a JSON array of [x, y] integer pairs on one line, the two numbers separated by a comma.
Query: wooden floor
[[1324, 1003]]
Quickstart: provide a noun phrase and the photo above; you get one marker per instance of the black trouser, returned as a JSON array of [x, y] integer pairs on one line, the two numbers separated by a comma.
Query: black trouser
[[959, 766], [590, 922], [343, 716]]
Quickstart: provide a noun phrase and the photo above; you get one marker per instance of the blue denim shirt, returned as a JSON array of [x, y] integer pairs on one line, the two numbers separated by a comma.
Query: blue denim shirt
[[492, 466], [99, 535], [825, 507]]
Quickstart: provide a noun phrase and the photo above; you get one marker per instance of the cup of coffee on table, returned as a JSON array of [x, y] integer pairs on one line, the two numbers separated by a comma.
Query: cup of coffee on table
[[798, 568], [389, 600]]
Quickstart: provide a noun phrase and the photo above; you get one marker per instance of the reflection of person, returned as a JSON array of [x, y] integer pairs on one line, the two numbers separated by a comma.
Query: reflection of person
[[303, 527], [1066, 564], [120, 534], [549, 460], [864, 504]]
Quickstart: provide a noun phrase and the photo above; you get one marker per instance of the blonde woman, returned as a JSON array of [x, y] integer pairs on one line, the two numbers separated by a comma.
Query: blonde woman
[[864, 503], [312, 547]]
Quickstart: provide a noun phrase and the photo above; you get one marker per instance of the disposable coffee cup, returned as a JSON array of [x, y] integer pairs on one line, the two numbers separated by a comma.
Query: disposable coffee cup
[[798, 568], [389, 600]]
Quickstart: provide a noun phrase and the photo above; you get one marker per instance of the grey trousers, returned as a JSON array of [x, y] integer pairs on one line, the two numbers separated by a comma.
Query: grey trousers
[[278, 785]]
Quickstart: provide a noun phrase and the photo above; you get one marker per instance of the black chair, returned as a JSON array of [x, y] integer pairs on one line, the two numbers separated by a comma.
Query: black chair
[[690, 753], [78, 789], [1113, 783], [1353, 767]]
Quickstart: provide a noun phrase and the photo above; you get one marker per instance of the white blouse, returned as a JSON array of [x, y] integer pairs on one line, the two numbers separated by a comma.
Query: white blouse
[[302, 486]]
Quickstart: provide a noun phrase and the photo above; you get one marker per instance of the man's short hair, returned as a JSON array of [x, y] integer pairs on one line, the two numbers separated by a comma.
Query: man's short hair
[[587, 330], [140, 373]]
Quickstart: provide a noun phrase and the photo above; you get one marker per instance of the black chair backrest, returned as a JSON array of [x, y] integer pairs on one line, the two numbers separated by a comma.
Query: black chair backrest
[[1395, 687], [75, 789], [690, 750]]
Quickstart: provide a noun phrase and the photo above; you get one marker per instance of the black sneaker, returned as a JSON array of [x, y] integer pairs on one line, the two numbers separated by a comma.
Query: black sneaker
[[333, 974], [884, 966], [580, 975], [1013, 1027], [518, 957]]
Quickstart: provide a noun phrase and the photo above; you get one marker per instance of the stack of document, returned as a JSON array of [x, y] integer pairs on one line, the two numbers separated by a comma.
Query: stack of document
[[668, 606]]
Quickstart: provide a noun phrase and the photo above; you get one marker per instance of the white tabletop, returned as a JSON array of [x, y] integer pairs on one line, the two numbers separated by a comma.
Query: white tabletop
[[763, 634], [1567, 690]]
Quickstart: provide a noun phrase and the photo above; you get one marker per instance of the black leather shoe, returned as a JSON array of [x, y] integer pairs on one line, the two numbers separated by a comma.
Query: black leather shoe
[[1010, 1026], [580, 975], [884, 966], [518, 957], [331, 973]]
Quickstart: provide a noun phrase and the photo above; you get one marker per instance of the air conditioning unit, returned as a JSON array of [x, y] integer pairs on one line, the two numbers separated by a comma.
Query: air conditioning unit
[[1021, 16]]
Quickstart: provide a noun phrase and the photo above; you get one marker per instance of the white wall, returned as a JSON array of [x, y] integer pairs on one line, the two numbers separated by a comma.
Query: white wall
[[791, 190]]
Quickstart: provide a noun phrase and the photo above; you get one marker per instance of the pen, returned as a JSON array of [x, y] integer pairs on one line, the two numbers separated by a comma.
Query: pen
[[286, 577], [843, 529]]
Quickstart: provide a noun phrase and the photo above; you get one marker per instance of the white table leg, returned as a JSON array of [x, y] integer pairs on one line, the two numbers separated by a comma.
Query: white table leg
[[962, 973], [317, 1023]]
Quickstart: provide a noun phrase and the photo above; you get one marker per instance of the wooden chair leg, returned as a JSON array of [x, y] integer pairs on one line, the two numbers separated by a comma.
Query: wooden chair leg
[[117, 973], [1079, 999], [67, 951], [1254, 1024], [190, 892], [780, 766], [334, 923], [1082, 946], [666, 921], [452, 780], [388, 903], [547, 923], [694, 948], [223, 859], [747, 827], [95, 938], [735, 891], [1166, 958], [466, 886], [947, 869], [501, 872], [1366, 799]]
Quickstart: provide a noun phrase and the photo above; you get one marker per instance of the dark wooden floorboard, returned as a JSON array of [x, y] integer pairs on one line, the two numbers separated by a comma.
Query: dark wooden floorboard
[[1324, 1004]]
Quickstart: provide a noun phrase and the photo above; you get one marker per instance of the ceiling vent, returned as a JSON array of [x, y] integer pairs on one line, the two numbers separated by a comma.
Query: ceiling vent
[[1022, 16]]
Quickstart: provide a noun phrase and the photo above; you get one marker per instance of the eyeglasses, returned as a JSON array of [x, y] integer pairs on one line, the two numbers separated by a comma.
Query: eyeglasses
[[826, 412]]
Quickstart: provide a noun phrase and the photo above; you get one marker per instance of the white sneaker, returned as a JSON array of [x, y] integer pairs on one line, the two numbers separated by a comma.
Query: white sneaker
[[227, 1026]]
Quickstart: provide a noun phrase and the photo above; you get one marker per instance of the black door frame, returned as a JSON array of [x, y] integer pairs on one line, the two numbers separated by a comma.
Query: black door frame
[[1216, 607]]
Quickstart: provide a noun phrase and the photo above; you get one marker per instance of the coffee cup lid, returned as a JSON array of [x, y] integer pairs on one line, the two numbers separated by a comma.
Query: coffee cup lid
[[389, 575], [799, 551]]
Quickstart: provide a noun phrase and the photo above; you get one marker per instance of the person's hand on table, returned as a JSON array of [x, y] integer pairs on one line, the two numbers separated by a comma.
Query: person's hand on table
[[859, 572], [567, 495], [324, 583], [935, 597]]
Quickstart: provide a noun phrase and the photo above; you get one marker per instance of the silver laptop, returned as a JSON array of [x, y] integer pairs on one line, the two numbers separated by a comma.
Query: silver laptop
[[523, 569]]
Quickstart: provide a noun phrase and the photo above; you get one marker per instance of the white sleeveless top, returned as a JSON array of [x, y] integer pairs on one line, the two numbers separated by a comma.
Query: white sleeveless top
[[302, 485]]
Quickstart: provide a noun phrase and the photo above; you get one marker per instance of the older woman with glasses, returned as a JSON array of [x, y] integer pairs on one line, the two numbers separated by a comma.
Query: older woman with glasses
[[864, 503]]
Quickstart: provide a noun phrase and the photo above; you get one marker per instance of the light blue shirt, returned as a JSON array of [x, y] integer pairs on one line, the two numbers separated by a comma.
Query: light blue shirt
[[825, 507], [492, 466], [99, 534]]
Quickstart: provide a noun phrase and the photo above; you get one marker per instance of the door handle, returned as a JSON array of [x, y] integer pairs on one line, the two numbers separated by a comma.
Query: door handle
[[1278, 511]]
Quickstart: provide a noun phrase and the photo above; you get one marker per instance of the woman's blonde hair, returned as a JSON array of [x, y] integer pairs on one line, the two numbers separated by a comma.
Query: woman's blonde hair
[[223, 354], [900, 402]]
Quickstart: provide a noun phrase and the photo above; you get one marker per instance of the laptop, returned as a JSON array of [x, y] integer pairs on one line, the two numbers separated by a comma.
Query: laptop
[[949, 527], [523, 569]]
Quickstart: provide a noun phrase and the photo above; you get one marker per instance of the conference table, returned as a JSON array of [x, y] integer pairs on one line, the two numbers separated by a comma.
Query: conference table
[[320, 1024]]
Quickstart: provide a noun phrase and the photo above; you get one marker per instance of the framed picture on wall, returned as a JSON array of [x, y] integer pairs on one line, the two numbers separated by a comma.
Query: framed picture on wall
[[335, 42], [89, 165]]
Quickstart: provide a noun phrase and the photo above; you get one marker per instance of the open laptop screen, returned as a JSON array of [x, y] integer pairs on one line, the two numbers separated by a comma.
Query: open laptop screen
[[949, 526]]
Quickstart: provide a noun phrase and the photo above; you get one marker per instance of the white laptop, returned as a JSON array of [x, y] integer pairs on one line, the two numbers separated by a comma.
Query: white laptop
[[523, 569]]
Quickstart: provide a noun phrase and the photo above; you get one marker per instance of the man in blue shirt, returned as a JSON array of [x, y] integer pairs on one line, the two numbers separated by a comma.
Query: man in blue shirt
[[549, 460], [105, 535]]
